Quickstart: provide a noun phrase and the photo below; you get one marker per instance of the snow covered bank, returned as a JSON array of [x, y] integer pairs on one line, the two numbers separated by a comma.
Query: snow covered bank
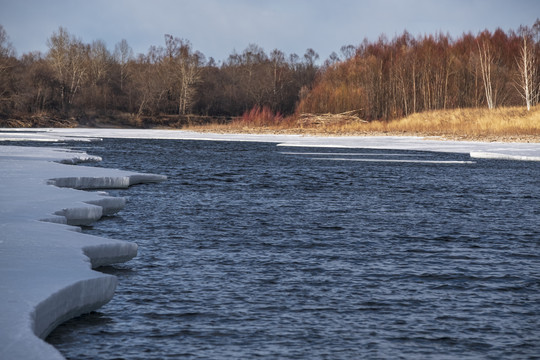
[[46, 274], [499, 150], [39, 135]]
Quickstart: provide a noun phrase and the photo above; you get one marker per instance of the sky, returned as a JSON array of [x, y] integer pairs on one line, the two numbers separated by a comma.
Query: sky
[[218, 27]]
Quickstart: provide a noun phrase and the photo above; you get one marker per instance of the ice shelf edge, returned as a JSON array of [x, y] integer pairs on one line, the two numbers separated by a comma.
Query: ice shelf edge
[[46, 274]]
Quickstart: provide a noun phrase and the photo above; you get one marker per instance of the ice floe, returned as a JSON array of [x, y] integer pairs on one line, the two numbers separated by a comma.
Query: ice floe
[[46, 274]]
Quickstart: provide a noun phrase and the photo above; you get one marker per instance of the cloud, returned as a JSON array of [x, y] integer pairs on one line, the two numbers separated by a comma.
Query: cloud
[[218, 27]]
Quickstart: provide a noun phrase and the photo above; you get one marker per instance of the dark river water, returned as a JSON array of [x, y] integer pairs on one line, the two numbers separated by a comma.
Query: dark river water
[[251, 250]]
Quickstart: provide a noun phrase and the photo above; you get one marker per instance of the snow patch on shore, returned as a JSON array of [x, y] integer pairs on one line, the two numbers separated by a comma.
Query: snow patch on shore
[[46, 274]]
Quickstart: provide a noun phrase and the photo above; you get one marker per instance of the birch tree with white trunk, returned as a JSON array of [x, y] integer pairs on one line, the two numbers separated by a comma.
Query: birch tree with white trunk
[[185, 68], [486, 61], [69, 59], [527, 63]]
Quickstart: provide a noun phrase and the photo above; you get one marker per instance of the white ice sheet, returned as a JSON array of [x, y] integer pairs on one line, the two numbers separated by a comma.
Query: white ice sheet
[[46, 274], [502, 150]]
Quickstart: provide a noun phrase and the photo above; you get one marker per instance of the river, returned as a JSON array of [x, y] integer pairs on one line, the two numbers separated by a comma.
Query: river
[[250, 250]]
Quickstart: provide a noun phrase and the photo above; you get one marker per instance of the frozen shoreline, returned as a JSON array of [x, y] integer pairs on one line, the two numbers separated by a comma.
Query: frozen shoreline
[[500, 150], [46, 274]]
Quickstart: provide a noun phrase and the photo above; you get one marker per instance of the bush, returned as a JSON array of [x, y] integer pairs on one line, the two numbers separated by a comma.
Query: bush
[[261, 117]]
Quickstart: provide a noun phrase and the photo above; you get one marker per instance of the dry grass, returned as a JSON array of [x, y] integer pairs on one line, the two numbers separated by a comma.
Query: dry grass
[[257, 120], [502, 124], [511, 122]]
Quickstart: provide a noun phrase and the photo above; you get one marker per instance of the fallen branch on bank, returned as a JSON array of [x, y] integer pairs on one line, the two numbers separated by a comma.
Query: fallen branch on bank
[[326, 119]]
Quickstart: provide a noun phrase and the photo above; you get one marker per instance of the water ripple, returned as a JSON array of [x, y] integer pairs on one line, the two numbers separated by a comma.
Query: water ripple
[[246, 252]]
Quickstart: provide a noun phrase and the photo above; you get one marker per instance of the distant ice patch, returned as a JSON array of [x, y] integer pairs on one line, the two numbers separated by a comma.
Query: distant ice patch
[[492, 155], [352, 154], [397, 160]]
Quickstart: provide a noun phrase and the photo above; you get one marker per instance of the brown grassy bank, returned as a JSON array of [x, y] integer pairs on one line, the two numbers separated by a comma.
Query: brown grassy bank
[[501, 124]]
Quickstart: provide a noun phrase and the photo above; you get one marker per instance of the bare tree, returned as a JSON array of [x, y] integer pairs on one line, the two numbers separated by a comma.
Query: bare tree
[[37, 85], [97, 92], [6, 50], [123, 53], [527, 85], [185, 68], [486, 60], [308, 68], [100, 61], [149, 81], [311, 57], [254, 80], [277, 58], [68, 57], [7, 54], [348, 51], [333, 59]]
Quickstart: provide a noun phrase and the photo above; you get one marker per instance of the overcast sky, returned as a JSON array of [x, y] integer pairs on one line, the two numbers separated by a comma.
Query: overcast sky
[[217, 27]]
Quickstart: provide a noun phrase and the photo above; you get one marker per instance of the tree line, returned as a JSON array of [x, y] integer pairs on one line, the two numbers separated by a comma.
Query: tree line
[[389, 79], [382, 79], [74, 77]]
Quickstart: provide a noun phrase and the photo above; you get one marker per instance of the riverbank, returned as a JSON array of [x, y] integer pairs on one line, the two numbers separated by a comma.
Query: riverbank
[[509, 124], [505, 124]]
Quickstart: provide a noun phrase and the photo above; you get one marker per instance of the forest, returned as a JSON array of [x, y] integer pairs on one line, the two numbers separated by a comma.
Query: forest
[[379, 80]]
